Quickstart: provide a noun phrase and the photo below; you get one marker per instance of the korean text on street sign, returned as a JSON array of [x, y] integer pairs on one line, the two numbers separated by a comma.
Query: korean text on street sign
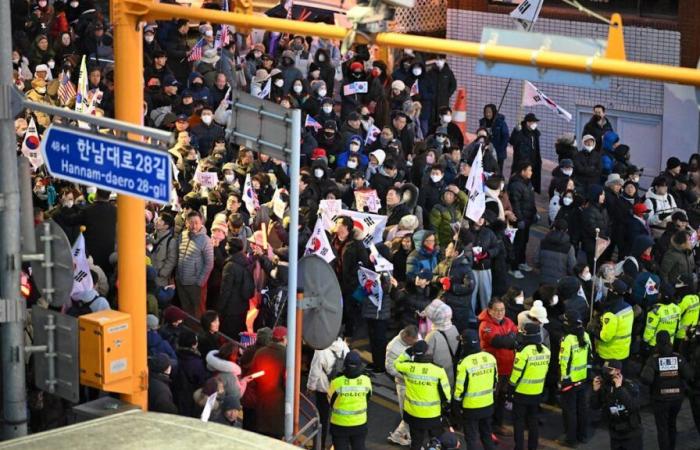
[[108, 163]]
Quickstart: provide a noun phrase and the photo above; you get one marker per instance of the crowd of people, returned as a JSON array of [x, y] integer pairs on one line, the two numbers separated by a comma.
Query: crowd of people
[[384, 183]]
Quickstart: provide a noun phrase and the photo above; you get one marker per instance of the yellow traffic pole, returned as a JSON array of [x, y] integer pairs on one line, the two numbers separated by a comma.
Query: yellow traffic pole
[[131, 227]]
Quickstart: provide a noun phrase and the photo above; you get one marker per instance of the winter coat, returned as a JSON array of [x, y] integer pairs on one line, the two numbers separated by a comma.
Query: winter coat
[[322, 365], [486, 239], [443, 345], [160, 397], [556, 258], [420, 258], [269, 390], [443, 217], [100, 221], [572, 215], [370, 310], [444, 84], [586, 170], [410, 299], [499, 134], [522, 198], [395, 348], [157, 344], [565, 151], [593, 128], [568, 292], [594, 216], [353, 255], [676, 262], [660, 207], [190, 376], [227, 372], [526, 147], [206, 136], [195, 258], [458, 296], [498, 338], [164, 257], [429, 196], [236, 286], [618, 214]]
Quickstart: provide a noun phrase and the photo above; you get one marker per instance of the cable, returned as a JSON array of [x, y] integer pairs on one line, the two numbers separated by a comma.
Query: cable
[[587, 11]]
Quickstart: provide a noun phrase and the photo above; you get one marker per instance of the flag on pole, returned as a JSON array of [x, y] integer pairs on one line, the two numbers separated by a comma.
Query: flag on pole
[[289, 6], [475, 186], [381, 264], [372, 134], [369, 227], [197, 51], [319, 245], [371, 285], [600, 246], [265, 92], [31, 144], [415, 90], [311, 122], [224, 38], [66, 89], [526, 13], [81, 98], [250, 198], [533, 97], [82, 278]]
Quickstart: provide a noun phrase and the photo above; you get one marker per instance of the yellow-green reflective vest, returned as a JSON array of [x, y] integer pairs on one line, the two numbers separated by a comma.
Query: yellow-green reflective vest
[[615, 334], [573, 359], [530, 369], [690, 311], [350, 406], [480, 372], [423, 384], [662, 317]]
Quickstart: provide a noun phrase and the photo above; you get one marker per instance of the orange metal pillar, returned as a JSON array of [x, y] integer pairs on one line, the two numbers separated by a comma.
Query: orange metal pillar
[[131, 228]]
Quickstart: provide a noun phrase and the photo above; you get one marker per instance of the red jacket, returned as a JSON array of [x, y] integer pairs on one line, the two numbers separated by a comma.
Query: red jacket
[[489, 329]]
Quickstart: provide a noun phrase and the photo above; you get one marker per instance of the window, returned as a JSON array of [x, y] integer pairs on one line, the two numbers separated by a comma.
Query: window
[[645, 8]]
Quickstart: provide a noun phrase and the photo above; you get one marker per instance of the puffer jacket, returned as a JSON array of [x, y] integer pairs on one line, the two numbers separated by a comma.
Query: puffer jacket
[[586, 169], [410, 299], [458, 296], [676, 262], [228, 373], [522, 198], [487, 240], [420, 258], [594, 216], [498, 338], [394, 349], [195, 258], [322, 365], [370, 310], [660, 207], [443, 216], [164, 257], [443, 344], [556, 258]]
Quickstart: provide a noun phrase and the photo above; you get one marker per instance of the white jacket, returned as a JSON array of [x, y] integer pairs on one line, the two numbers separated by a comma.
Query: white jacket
[[394, 349], [658, 205], [322, 365], [229, 373]]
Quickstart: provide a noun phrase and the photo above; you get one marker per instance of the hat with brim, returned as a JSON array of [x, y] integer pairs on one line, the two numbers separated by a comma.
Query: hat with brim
[[210, 56], [614, 178], [531, 117], [261, 76]]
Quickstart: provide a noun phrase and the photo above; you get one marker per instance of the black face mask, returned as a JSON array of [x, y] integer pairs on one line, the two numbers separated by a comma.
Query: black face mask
[[329, 135]]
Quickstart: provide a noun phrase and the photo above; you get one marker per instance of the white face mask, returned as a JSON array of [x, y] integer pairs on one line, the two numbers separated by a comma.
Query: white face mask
[[635, 178], [209, 33], [436, 178], [352, 164], [229, 178], [446, 118], [148, 38], [586, 276], [440, 139], [533, 126], [354, 147], [257, 55], [318, 173], [321, 58], [520, 299], [322, 92], [207, 119], [73, 4], [417, 71], [51, 64], [91, 190], [68, 203], [297, 88], [279, 83], [440, 63], [567, 201], [555, 300], [567, 172], [327, 109], [589, 148]]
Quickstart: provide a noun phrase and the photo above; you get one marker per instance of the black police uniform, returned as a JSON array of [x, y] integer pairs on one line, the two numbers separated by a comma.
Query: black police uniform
[[620, 408]]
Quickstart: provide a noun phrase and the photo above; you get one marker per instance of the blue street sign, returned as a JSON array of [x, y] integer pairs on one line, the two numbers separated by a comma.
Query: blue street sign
[[108, 163]]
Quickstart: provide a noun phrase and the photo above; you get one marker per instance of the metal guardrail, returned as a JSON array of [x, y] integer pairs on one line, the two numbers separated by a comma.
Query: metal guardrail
[[309, 421]]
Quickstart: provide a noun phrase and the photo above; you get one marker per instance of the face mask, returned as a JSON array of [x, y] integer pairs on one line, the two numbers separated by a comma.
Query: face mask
[[207, 119], [73, 4], [440, 63], [417, 71], [567, 201], [446, 118], [586, 276], [257, 55], [354, 147], [229, 178], [297, 88], [91, 190], [589, 148], [533, 126], [430, 159], [41, 90], [352, 164], [440, 139], [635, 178], [555, 300], [15, 60], [318, 173], [321, 58], [51, 64], [148, 38], [209, 33], [567, 172], [322, 93], [519, 300], [279, 83], [436, 178], [197, 84], [68, 203], [327, 109]]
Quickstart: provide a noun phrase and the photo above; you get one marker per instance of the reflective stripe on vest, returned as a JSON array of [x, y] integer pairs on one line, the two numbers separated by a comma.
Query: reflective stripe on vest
[[413, 376], [420, 403], [478, 393], [347, 412]]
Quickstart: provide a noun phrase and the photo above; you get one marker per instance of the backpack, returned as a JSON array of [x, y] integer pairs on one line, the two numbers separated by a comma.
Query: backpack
[[453, 354], [338, 366], [79, 308]]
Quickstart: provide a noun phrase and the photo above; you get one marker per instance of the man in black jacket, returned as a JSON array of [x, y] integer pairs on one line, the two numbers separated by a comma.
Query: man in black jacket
[[160, 397], [100, 221], [587, 165], [595, 221], [618, 214], [236, 288], [522, 199], [598, 125], [526, 148]]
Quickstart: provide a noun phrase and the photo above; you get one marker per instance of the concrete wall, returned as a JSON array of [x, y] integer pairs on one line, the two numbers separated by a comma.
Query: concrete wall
[[624, 95]]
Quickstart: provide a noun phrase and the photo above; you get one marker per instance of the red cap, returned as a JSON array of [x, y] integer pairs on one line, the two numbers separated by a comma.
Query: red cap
[[318, 153], [172, 314], [639, 209], [279, 333], [357, 66]]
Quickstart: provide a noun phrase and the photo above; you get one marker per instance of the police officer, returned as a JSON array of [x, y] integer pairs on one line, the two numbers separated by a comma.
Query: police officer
[[527, 383], [427, 390], [613, 334], [666, 372], [348, 395], [694, 385], [663, 316], [477, 377], [575, 358], [618, 399], [689, 307]]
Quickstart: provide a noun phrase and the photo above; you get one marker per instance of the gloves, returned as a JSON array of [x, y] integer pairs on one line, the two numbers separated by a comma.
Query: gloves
[[481, 256], [446, 283], [521, 225], [510, 390]]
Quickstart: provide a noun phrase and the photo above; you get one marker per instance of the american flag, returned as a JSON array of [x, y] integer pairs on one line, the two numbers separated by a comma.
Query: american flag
[[196, 52], [66, 90], [289, 6], [224, 37]]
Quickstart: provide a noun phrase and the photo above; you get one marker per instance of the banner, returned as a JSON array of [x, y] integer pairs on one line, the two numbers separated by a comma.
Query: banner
[[370, 283], [534, 97], [358, 87], [526, 13], [319, 245], [30, 146], [250, 198], [372, 135], [208, 180], [327, 210], [82, 278], [368, 198], [381, 264], [475, 186]]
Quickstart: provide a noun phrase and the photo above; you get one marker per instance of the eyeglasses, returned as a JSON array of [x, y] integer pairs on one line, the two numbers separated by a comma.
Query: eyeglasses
[[498, 310]]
